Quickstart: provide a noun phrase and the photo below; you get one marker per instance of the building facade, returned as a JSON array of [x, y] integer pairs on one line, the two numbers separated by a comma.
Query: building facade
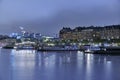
[[90, 33]]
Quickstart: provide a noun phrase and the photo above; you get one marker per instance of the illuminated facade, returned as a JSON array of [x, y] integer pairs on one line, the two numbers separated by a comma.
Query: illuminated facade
[[90, 33]]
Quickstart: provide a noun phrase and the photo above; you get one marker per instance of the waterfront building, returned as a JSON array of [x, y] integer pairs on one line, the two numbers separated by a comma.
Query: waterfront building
[[90, 33]]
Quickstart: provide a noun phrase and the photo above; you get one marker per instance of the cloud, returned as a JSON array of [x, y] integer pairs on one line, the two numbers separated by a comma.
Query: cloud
[[70, 18], [48, 17]]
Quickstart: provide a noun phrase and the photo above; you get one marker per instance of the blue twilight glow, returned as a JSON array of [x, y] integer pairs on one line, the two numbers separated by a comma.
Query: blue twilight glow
[[49, 16]]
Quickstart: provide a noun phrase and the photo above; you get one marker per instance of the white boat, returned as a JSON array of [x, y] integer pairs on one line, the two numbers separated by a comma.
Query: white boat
[[91, 49], [88, 51]]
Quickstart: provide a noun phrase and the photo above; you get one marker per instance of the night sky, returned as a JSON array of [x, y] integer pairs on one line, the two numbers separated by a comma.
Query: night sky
[[49, 16]]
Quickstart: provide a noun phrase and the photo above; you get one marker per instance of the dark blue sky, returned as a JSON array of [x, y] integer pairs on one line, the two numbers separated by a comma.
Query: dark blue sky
[[49, 16]]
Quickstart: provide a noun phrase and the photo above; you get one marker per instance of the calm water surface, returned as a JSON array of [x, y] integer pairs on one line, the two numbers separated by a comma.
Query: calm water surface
[[32, 65]]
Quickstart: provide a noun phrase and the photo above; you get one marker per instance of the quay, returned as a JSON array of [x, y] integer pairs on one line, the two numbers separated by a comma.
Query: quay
[[51, 44], [108, 51]]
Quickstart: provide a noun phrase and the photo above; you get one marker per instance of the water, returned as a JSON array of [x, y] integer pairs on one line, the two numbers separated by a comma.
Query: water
[[32, 65]]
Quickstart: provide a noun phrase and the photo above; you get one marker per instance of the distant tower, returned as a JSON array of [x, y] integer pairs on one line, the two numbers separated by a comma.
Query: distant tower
[[22, 30]]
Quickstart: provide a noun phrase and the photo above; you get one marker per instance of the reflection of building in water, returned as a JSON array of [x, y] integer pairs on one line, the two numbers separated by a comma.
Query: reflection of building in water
[[93, 58], [46, 59], [29, 53], [67, 57], [23, 58], [53, 58], [23, 51], [94, 63], [22, 63]]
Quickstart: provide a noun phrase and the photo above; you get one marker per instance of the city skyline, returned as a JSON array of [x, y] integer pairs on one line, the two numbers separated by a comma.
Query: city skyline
[[48, 17]]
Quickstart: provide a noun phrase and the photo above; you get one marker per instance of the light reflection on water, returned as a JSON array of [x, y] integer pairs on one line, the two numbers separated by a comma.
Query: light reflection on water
[[33, 65]]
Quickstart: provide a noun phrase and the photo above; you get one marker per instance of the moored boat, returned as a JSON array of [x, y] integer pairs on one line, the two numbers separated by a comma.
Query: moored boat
[[108, 51], [25, 45], [58, 48]]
